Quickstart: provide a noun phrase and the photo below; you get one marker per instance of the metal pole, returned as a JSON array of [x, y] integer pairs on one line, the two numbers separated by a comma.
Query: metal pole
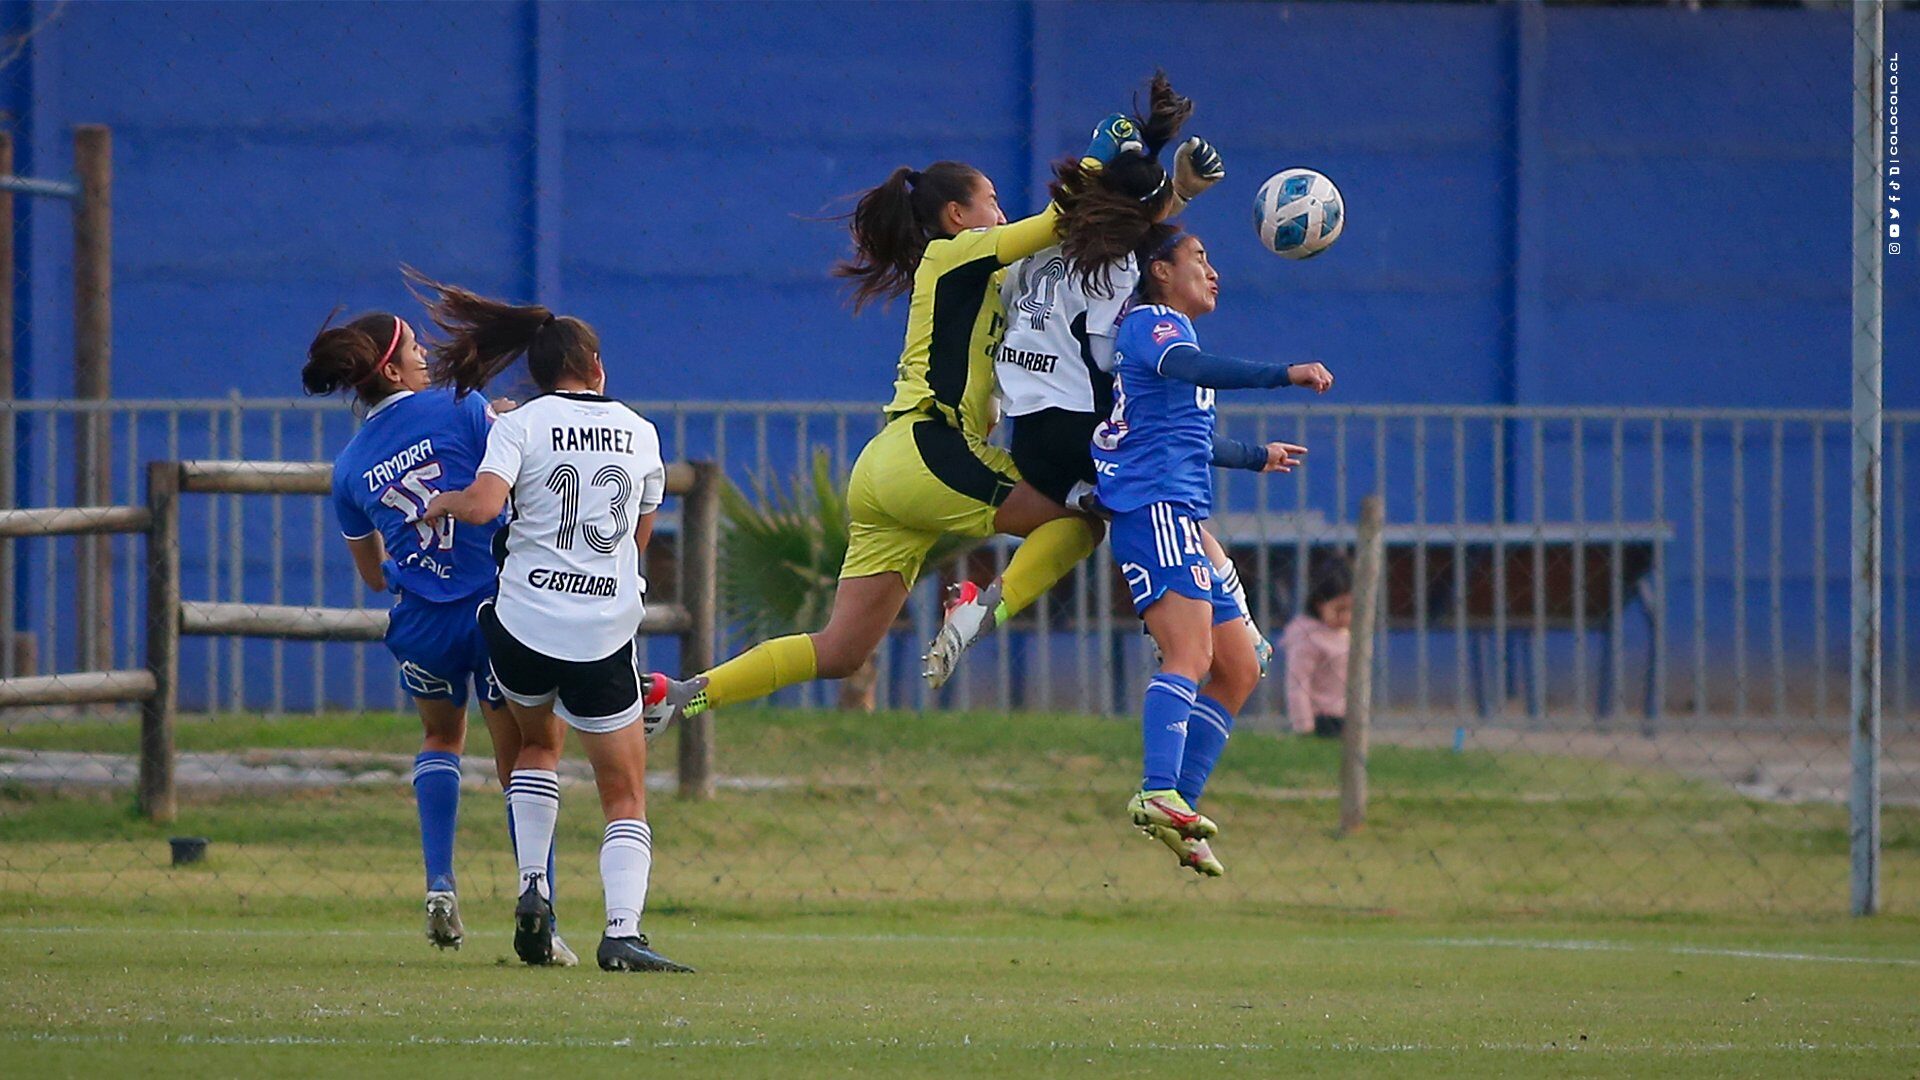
[[9, 459], [163, 641], [699, 591], [1353, 736], [1864, 696], [93, 379]]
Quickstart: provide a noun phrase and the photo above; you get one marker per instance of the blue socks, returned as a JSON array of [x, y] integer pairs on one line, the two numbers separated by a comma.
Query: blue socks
[[436, 790], [1163, 729], [1206, 737]]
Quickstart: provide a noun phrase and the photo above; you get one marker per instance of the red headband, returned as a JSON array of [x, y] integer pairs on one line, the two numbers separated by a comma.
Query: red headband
[[374, 372], [398, 322]]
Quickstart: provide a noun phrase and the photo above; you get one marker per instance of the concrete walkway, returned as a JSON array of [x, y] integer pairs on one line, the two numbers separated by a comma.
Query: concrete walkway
[[284, 770]]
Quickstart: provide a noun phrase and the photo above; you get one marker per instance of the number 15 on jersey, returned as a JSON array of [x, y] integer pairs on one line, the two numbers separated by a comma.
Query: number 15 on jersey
[[410, 495]]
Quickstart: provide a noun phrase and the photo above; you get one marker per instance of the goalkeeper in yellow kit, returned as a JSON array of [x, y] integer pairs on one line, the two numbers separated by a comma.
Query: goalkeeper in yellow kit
[[937, 234]]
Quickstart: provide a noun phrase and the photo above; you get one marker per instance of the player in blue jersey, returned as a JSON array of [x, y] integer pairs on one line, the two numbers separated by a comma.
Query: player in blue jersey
[[1152, 461], [416, 442]]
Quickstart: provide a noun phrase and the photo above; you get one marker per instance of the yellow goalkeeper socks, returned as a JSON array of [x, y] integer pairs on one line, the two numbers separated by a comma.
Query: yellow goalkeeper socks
[[761, 670], [1043, 558]]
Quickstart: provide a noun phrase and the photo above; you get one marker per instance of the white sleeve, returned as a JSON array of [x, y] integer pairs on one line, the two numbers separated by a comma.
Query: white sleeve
[[1104, 313], [1101, 346], [505, 444], [653, 486]]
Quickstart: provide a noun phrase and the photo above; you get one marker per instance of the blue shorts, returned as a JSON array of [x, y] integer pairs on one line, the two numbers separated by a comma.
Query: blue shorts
[[441, 650], [1159, 552]]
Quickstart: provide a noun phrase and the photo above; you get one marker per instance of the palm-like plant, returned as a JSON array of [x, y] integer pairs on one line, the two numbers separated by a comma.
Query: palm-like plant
[[781, 555], [781, 551]]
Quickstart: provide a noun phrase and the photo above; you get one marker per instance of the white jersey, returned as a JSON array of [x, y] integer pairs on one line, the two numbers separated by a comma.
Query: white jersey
[[583, 469], [1047, 359]]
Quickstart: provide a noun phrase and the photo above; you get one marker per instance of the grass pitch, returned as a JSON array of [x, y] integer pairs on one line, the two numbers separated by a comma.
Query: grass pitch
[[939, 895], [963, 994]]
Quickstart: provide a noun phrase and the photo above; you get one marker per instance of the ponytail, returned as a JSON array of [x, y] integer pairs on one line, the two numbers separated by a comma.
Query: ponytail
[[893, 223], [485, 336], [349, 357], [1167, 112]]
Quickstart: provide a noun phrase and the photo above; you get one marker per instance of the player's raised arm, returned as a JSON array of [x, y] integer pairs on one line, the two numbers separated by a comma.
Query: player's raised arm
[[475, 504], [1188, 363]]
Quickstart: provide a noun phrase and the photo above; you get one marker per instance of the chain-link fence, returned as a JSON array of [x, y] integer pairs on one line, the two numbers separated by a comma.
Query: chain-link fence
[[1611, 672]]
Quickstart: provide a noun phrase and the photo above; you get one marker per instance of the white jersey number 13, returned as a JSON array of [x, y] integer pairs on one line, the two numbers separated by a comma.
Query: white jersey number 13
[[564, 481]]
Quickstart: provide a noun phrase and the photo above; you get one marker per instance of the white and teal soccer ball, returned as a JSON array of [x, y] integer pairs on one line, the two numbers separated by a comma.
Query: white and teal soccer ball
[[1299, 213]]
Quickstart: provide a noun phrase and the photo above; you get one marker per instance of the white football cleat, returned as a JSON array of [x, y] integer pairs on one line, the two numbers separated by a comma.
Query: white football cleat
[[444, 928], [969, 618], [664, 700], [562, 956], [1262, 648]]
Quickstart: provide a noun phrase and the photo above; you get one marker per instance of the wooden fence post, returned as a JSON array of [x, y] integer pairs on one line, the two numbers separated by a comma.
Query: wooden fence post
[[699, 591], [1353, 738], [93, 381], [163, 641], [9, 459]]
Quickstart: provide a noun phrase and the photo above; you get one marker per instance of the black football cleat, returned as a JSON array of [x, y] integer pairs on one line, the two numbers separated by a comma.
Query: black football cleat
[[634, 954], [533, 927]]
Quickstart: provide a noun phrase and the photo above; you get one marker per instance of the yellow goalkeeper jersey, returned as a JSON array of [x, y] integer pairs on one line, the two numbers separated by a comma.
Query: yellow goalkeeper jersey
[[955, 319]]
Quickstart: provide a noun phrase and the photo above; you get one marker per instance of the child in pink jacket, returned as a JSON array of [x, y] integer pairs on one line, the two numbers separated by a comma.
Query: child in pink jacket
[[1315, 643]]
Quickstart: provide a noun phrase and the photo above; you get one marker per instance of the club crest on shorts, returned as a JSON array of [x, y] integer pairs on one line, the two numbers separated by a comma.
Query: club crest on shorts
[[1202, 577], [423, 683]]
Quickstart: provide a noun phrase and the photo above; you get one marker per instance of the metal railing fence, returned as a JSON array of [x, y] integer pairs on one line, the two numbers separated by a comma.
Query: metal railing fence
[[1693, 561]]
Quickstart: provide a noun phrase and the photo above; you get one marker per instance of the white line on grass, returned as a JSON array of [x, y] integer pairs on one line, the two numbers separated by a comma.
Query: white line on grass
[[963, 1043], [821, 937], [1673, 950]]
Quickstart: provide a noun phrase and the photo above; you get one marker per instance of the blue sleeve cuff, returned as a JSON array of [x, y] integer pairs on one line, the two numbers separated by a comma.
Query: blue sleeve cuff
[[1234, 454]]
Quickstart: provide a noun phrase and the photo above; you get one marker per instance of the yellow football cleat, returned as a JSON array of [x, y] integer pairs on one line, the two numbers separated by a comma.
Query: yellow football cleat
[[1195, 855], [1168, 809]]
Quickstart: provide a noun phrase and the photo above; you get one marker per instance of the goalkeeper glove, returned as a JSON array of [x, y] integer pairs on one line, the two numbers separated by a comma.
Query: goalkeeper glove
[[1196, 167], [1112, 136]]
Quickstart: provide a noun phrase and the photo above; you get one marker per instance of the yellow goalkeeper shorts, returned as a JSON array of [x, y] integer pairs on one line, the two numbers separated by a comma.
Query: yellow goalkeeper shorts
[[919, 480]]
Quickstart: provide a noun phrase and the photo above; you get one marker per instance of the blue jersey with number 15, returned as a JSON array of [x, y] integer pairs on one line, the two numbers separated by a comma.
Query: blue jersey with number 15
[[1157, 446], [412, 446]]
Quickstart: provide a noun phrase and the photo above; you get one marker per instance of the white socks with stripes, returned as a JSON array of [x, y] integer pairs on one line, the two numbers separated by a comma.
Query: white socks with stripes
[[534, 797], [626, 855], [626, 858]]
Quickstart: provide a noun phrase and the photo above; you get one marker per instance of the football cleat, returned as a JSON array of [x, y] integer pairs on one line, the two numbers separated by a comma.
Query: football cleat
[[1262, 648], [970, 617], [1169, 810], [443, 920], [533, 927], [634, 954], [563, 956], [1195, 855], [665, 700]]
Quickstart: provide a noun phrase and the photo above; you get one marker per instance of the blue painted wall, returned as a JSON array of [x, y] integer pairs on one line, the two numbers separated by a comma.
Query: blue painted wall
[[1547, 205]]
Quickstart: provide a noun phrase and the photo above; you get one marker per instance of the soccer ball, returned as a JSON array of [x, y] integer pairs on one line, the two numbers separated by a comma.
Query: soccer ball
[[1298, 213]]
